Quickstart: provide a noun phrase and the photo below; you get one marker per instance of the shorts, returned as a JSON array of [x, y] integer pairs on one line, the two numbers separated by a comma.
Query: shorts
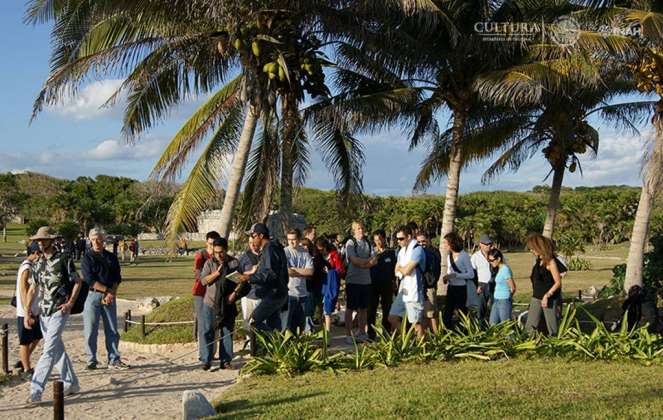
[[430, 303], [357, 296], [25, 336], [414, 310]]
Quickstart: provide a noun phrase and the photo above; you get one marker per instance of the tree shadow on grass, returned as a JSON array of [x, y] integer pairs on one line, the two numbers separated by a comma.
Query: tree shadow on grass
[[243, 408]]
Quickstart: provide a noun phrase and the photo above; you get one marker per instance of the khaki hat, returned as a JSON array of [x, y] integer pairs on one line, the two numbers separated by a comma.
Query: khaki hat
[[45, 232]]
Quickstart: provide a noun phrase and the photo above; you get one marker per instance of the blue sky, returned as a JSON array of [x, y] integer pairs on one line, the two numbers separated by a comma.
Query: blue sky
[[79, 138]]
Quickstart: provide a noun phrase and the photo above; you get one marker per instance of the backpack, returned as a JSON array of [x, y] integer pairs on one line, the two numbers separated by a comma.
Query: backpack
[[432, 269], [79, 304]]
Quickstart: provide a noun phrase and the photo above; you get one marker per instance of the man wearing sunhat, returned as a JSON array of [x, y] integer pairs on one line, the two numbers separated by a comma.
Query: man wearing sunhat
[[485, 275], [269, 278], [51, 274]]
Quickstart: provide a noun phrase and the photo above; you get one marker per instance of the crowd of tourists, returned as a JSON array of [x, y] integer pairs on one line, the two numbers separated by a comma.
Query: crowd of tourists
[[296, 287]]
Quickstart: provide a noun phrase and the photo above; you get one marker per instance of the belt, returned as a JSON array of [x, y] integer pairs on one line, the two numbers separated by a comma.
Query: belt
[[92, 289]]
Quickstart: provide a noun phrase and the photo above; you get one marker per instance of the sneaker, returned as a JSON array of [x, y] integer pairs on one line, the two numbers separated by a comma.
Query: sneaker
[[18, 366], [206, 366], [27, 375], [34, 399], [119, 365], [91, 366], [73, 389]]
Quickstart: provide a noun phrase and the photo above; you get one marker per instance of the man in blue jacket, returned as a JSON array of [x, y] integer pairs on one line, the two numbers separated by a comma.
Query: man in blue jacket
[[269, 278], [101, 273]]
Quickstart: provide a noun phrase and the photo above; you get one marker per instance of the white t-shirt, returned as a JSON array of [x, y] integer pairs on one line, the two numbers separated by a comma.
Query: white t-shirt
[[481, 264], [411, 284], [25, 265]]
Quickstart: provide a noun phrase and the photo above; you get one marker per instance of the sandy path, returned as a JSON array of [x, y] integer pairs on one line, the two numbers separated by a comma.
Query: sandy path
[[151, 389]]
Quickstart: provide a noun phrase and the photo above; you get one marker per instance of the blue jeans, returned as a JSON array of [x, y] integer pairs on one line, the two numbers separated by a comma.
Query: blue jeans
[[53, 355], [297, 313], [501, 311], [267, 314], [197, 307], [92, 311], [207, 324], [226, 347]]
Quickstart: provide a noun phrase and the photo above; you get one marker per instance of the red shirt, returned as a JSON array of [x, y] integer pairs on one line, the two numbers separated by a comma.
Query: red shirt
[[198, 263], [335, 261]]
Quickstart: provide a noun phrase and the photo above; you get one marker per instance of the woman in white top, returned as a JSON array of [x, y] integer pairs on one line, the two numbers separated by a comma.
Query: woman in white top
[[27, 338], [459, 272]]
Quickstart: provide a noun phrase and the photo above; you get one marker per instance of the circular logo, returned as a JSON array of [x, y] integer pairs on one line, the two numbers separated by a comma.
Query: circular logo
[[565, 31]]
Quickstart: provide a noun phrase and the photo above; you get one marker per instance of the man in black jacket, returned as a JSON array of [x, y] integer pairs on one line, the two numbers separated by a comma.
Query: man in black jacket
[[270, 279]]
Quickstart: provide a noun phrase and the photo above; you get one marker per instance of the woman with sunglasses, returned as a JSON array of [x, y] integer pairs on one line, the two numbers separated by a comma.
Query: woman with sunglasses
[[505, 288]]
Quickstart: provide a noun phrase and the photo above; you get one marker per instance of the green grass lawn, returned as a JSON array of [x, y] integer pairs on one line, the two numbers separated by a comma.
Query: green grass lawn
[[177, 310], [513, 389]]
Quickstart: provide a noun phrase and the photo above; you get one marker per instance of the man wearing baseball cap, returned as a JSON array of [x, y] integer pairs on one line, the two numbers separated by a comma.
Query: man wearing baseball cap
[[485, 274], [269, 278]]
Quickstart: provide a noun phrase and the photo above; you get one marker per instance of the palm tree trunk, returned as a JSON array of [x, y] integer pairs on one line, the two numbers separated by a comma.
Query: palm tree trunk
[[237, 170], [453, 184], [287, 160], [553, 201], [651, 182]]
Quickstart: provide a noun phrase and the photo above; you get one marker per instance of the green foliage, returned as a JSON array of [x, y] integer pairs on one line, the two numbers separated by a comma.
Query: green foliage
[[68, 229], [652, 273], [288, 354], [121, 205], [579, 264], [33, 225], [11, 198], [602, 215]]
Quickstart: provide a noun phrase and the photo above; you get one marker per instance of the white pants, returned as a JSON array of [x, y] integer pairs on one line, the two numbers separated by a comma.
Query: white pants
[[248, 305]]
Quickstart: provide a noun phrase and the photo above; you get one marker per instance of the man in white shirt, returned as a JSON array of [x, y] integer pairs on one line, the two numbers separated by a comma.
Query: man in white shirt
[[28, 338], [485, 275], [300, 267], [409, 268]]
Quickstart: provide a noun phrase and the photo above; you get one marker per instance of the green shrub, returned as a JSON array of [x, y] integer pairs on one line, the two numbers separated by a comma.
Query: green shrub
[[289, 355], [579, 264], [652, 273]]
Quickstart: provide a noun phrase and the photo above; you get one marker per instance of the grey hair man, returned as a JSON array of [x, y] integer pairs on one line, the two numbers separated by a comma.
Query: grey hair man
[[101, 273]]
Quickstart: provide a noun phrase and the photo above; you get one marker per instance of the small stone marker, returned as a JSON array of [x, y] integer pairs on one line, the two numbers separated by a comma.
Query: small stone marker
[[195, 406]]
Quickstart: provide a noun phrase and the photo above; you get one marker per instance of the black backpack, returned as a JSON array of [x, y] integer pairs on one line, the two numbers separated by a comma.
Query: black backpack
[[79, 304], [432, 269]]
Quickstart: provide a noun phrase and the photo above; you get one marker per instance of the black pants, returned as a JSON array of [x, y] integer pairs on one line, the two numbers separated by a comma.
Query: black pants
[[456, 299], [384, 295]]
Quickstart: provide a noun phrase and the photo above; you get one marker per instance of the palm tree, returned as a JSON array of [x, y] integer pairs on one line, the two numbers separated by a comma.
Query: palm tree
[[558, 125], [172, 50]]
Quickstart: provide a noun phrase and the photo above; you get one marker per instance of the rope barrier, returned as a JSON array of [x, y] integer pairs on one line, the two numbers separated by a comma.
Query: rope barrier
[[160, 323]]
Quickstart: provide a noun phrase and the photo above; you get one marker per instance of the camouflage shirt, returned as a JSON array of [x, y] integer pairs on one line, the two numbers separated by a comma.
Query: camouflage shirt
[[51, 275]]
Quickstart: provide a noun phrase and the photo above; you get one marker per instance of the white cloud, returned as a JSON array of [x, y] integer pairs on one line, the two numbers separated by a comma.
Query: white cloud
[[89, 101], [116, 150]]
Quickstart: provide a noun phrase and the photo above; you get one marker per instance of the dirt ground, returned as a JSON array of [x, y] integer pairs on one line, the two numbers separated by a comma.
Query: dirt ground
[[151, 389]]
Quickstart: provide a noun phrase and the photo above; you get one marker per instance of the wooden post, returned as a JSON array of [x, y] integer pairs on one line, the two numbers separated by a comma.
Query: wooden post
[[58, 400], [5, 348], [195, 329], [580, 295], [126, 321], [142, 326]]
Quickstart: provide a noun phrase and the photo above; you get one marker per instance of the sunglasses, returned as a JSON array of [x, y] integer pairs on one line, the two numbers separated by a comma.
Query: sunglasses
[[491, 260], [400, 238]]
